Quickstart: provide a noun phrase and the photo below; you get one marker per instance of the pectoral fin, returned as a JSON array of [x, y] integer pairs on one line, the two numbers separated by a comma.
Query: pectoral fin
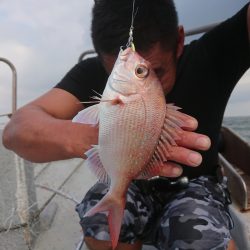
[[89, 115]]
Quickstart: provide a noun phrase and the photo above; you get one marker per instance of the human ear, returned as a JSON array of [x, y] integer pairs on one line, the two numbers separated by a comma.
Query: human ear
[[180, 41]]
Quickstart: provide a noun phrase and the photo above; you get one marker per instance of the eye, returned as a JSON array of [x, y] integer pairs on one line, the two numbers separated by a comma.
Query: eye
[[141, 71]]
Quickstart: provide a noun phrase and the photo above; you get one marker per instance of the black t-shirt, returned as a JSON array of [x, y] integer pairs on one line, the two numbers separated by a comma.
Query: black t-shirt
[[207, 72]]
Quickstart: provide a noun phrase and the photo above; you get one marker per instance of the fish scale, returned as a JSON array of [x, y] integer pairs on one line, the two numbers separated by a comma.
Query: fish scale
[[123, 139], [136, 131]]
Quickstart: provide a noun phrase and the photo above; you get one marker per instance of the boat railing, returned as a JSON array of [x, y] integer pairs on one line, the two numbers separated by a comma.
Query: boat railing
[[18, 181], [200, 30], [14, 86], [234, 157]]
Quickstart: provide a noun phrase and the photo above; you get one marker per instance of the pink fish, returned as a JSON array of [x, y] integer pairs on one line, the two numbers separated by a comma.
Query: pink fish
[[136, 131]]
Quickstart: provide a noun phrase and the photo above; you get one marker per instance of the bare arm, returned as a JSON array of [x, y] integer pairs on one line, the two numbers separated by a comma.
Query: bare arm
[[42, 130]]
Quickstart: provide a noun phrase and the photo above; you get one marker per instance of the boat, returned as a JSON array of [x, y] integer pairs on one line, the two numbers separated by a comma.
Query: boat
[[37, 200]]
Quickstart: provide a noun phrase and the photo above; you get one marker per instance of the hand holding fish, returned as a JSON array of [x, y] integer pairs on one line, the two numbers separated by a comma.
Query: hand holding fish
[[185, 150]]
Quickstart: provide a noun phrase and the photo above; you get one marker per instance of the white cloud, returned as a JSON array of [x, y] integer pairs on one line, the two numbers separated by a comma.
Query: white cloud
[[239, 103], [238, 109], [245, 80], [43, 39]]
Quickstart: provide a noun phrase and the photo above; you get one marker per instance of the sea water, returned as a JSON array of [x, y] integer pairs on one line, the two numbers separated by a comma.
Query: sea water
[[240, 125]]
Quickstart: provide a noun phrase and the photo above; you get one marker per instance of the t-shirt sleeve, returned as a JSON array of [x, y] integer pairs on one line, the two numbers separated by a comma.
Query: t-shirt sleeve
[[227, 48], [83, 78]]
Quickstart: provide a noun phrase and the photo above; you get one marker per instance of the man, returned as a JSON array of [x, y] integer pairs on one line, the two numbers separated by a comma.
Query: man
[[199, 78]]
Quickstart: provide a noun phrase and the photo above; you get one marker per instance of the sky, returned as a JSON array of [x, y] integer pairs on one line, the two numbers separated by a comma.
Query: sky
[[44, 39]]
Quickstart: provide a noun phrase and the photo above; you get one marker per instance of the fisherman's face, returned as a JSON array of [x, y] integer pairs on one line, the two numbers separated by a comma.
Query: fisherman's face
[[164, 62]]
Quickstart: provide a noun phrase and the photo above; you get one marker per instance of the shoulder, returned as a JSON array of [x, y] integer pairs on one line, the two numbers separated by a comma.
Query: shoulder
[[89, 66], [92, 62], [84, 77]]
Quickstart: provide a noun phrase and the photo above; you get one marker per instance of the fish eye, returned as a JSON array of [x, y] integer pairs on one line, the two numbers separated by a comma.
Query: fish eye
[[141, 71]]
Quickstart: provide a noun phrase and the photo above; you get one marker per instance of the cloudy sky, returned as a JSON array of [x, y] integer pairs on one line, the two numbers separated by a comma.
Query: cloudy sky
[[45, 38]]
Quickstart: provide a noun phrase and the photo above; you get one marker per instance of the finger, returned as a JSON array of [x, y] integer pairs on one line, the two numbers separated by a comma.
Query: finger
[[193, 140], [185, 156], [170, 169], [188, 122]]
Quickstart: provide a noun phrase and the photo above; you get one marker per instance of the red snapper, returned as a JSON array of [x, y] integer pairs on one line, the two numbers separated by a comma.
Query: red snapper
[[136, 131]]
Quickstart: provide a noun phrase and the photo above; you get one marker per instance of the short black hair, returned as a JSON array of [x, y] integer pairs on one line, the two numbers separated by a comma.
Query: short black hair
[[156, 21]]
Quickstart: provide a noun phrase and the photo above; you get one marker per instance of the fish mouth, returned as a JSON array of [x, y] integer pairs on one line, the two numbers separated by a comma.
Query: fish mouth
[[123, 55]]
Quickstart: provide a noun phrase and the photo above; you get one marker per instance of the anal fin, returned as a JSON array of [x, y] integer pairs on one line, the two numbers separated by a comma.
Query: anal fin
[[93, 162]]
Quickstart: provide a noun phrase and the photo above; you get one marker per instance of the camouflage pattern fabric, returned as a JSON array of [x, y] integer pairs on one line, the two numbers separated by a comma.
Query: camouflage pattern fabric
[[194, 218]]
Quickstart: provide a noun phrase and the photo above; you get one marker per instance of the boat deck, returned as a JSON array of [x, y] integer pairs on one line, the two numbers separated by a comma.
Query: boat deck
[[71, 178]]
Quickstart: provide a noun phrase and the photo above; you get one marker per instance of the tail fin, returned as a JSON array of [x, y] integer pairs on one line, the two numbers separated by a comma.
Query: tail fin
[[115, 208]]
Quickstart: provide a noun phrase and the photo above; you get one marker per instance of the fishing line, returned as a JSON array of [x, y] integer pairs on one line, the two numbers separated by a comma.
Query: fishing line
[[130, 42]]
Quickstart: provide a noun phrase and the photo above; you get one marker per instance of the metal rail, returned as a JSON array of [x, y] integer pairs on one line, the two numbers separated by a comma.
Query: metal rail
[[234, 158], [237, 184], [14, 86], [190, 32], [200, 30]]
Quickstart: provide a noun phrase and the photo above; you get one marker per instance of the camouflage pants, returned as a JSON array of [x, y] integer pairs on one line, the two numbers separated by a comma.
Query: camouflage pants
[[194, 218]]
